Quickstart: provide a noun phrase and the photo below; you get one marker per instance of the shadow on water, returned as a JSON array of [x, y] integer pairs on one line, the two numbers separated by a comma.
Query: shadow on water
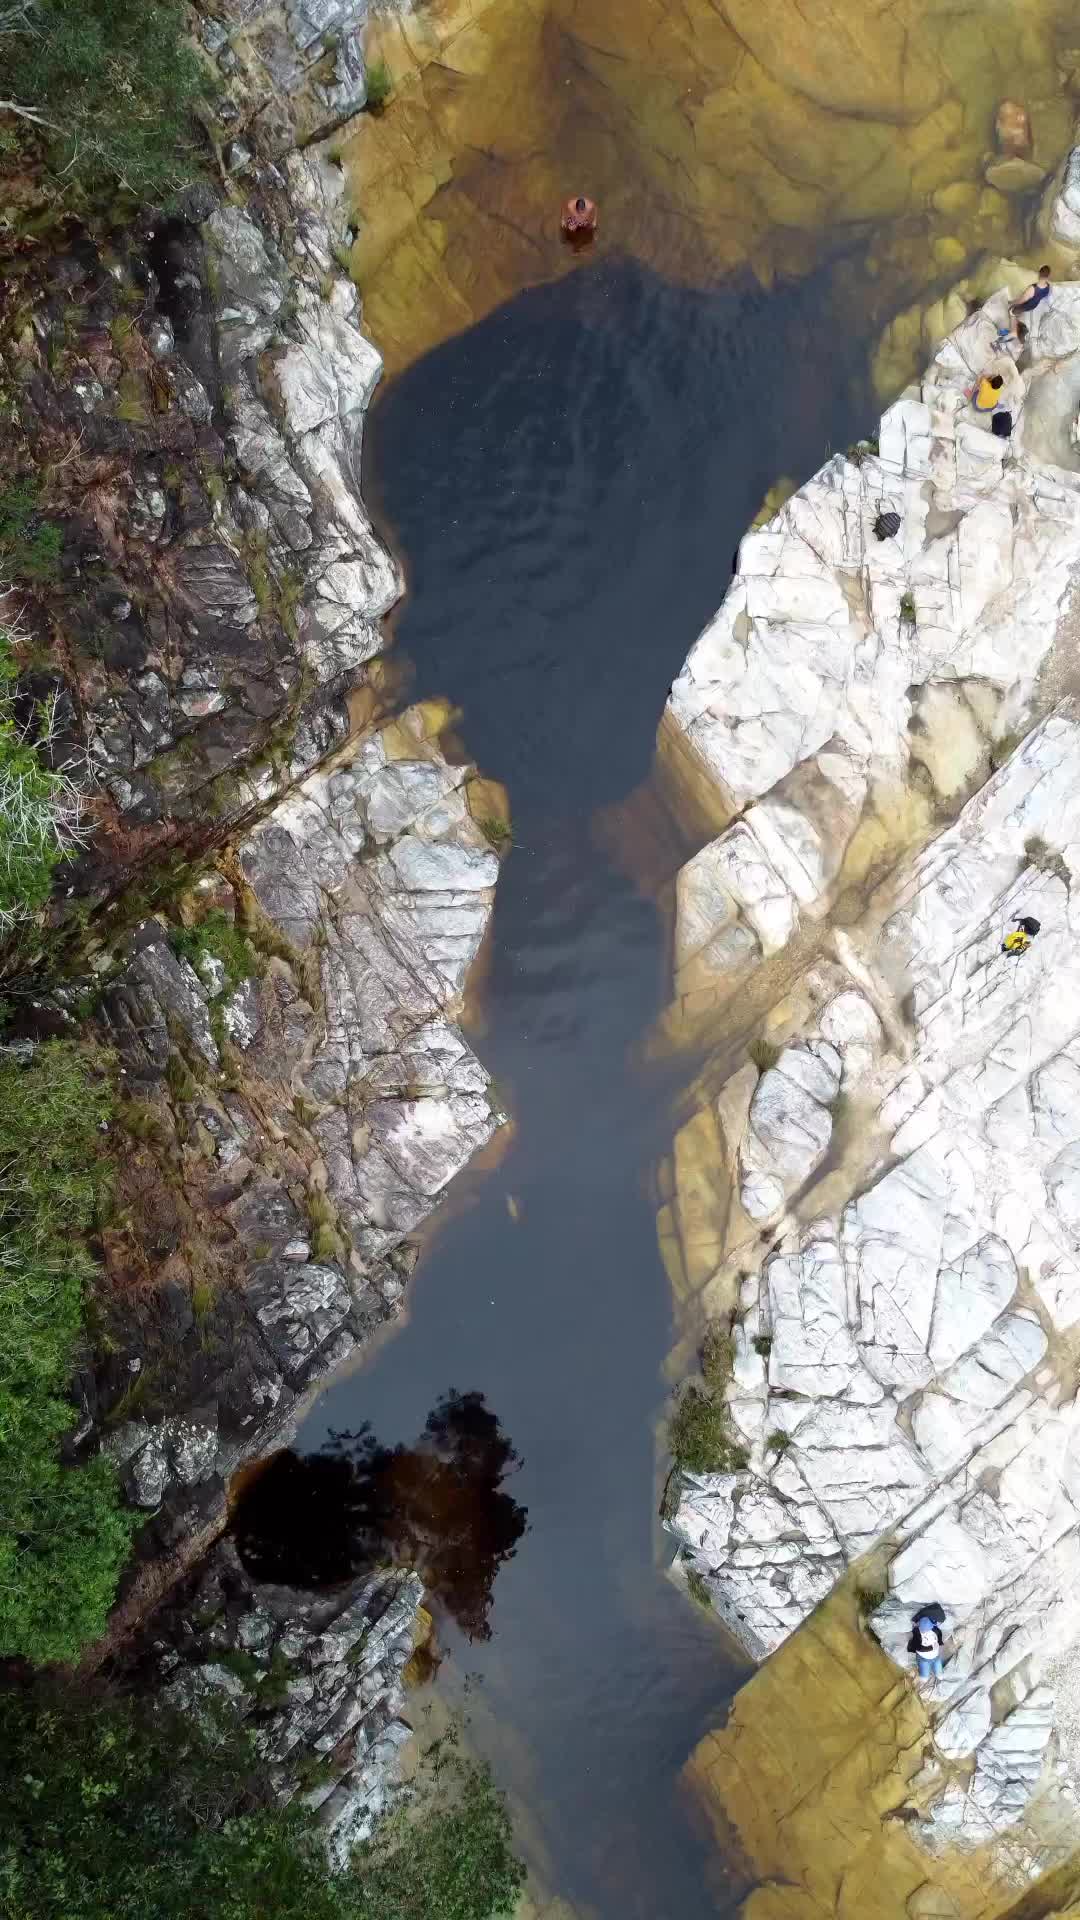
[[567, 484], [439, 1506]]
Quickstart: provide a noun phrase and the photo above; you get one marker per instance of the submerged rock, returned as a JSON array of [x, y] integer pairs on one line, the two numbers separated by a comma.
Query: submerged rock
[[739, 138]]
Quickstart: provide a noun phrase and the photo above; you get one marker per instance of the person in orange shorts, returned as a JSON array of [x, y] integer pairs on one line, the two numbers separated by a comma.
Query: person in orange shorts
[[579, 218]]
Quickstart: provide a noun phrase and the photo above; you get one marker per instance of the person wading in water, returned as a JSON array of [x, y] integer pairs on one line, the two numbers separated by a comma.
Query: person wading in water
[[579, 218]]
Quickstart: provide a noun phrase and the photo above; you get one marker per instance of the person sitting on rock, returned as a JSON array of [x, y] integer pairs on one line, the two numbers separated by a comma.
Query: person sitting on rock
[[989, 393], [999, 386], [1033, 297], [1022, 935], [579, 217]]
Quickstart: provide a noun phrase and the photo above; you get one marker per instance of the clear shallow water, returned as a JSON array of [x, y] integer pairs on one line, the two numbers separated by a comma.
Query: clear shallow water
[[567, 484]]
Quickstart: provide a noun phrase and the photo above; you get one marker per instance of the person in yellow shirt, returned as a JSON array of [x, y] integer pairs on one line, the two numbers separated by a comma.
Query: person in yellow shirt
[[988, 393], [1021, 937]]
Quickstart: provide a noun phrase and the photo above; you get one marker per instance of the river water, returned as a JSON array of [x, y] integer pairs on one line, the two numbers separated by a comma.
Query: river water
[[566, 484]]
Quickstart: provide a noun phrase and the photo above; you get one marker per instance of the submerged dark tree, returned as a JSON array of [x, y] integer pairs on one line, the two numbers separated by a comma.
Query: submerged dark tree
[[443, 1508], [439, 1506]]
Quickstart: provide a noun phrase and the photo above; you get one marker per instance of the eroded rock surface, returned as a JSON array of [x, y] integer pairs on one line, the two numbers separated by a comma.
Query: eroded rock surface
[[317, 1679], [896, 1237], [850, 684], [284, 890], [312, 1112]]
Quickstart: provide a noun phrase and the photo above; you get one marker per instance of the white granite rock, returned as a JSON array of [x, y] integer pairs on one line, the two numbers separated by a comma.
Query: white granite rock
[[969, 1298], [1010, 1760], [813, 1351], [1059, 217], [942, 1561], [911, 1318], [790, 1124], [960, 1730], [811, 659]]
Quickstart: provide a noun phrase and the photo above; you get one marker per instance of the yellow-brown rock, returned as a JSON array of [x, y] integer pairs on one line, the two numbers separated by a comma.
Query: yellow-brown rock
[[748, 134], [810, 1773], [878, 59]]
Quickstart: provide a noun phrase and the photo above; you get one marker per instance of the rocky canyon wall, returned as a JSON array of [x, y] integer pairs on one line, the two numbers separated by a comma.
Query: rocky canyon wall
[[876, 1202], [285, 883]]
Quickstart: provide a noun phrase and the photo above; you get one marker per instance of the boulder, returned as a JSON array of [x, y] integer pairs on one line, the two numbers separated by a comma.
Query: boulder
[[1014, 175], [790, 1126], [960, 1730], [1059, 215]]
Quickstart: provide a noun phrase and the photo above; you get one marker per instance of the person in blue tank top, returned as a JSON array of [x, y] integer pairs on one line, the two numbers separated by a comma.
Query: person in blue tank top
[[1033, 297]]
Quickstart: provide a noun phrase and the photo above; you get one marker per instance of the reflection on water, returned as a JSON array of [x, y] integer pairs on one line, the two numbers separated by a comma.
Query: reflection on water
[[567, 484], [438, 1506]]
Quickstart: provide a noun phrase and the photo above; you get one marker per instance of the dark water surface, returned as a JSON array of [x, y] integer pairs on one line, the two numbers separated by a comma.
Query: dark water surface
[[566, 485]]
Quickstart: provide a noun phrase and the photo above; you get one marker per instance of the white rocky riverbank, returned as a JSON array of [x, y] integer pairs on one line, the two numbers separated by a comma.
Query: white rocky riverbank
[[898, 1217], [290, 888]]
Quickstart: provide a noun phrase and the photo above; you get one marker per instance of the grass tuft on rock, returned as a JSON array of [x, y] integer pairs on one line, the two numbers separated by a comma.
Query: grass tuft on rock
[[497, 833], [29, 544], [217, 937], [698, 1588], [699, 1433], [379, 86], [41, 808], [717, 1354], [699, 1429], [868, 1600]]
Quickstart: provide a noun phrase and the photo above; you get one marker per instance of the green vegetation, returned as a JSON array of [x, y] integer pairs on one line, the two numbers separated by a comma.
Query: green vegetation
[[379, 85], [778, 1441], [1038, 853], [114, 1814], [717, 1354], [29, 545], [764, 1055], [763, 1344], [497, 833], [327, 1240], [218, 937], [215, 937], [868, 1600], [697, 1588], [699, 1433], [1005, 746], [699, 1430], [39, 807], [907, 609], [107, 90], [63, 1535], [862, 450]]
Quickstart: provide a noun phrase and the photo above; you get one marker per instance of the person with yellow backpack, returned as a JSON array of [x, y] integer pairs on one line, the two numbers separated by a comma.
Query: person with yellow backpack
[[1021, 937]]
